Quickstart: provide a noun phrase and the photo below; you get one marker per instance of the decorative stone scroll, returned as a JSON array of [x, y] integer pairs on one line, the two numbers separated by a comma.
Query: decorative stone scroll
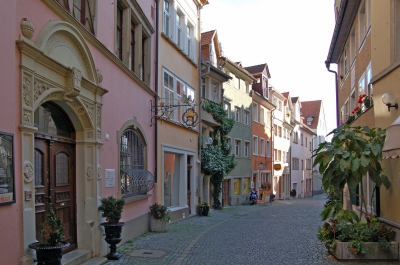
[[26, 90], [98, 172]]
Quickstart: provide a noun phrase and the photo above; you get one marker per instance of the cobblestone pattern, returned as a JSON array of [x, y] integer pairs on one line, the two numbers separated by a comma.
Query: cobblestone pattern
[[281, 233]]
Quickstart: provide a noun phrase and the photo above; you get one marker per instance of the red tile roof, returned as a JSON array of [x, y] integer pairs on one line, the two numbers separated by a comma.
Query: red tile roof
[[311, 108], [206, 37]]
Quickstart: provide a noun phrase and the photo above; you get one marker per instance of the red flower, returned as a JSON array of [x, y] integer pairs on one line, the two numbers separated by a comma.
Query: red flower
[[356, 108], [352, 249], [333, 230]]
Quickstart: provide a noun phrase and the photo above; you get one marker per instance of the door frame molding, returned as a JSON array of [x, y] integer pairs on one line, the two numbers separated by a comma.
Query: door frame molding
[[73, 84]]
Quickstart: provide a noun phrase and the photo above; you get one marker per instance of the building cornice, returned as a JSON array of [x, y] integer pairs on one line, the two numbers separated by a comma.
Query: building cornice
[[344, 22]]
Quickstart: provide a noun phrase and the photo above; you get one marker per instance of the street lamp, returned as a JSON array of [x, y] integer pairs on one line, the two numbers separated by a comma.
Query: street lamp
[[261, 166]]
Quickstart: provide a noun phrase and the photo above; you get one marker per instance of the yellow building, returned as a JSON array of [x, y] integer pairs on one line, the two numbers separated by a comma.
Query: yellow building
[[365, 46]]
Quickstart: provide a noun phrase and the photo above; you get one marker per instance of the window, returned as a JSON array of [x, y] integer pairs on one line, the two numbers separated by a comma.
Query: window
[[255, 112], [82, 10], [119, 31], [301, 139], [268, 119], [262, 147], [247, 88], [306, 141], [203, 87], [283, 156], [132, 40], [302, 165], [215, 92], [279, 131], [279, 105], [363, 21], [268, 148], [308, 163], [238, 144], [295, 137], [174, 90], [246, 117], [295, 163], [310, 146], [190, 33], [237, 114], [167, 19], [262, 116], [179, 23], [255, 145], [246, 148], [275, 129], [132, 157], [229, 142], [227, 108], [279, 155], [275, 154]]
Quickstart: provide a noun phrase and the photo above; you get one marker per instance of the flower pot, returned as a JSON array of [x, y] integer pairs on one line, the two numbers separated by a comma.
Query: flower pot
[[373, 251], [159, 225], [113, 237], [204, 210], [48, 255]]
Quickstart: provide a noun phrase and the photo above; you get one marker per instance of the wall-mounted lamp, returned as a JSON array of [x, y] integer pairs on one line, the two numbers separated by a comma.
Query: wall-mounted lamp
[[261, 166], [208, 140], [389, 100]]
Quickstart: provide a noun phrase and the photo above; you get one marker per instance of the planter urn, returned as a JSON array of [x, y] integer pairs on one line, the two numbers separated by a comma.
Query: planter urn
[[48, 255], [373, 251], [113, 237]]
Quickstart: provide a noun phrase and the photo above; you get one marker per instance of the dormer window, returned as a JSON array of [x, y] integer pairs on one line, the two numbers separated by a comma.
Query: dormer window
[[309, 120]]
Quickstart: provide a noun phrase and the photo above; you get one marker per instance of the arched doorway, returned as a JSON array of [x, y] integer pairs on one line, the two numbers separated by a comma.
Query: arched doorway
[[55, 170]]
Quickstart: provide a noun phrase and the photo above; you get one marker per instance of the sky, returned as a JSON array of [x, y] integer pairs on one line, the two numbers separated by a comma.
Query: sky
[[291, 36]]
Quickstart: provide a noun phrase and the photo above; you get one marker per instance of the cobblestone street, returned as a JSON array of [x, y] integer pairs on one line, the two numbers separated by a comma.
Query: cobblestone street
[[281, 233]]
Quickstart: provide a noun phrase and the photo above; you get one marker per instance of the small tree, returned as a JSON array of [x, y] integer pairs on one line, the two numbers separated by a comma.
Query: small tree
[[352, 153]]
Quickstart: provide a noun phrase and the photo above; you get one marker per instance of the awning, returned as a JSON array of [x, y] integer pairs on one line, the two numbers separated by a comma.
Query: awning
[[391, 148]]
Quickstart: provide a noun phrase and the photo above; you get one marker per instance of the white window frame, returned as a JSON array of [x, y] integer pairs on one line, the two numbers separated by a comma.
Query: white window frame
[[238, 146], [262, 146], [262, 115], [227, 107], [255, 145], [246, 148], [268, 148], [237, 114], [167, 18], [246, 117], [255, 111]]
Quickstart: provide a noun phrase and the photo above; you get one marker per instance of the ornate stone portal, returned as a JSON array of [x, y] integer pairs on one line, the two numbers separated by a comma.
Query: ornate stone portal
[[58, 67]]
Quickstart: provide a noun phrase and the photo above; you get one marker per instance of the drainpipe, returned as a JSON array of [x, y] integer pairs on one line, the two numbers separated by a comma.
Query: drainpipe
[[328, 64], [156, 96], [199, 141]]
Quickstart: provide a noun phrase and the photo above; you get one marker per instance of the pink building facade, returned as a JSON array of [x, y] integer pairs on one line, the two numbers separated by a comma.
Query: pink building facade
[[75, 120]]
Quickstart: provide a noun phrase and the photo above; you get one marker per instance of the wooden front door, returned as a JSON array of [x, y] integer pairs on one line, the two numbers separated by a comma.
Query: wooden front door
[[226, 192], [55, 184]]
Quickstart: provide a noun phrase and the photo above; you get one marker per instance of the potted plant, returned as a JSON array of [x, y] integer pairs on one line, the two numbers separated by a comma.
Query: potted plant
[[49, 248], [204, 209], [368, 101], [344, 161], [159, 218], [111, 209], [293, 193]]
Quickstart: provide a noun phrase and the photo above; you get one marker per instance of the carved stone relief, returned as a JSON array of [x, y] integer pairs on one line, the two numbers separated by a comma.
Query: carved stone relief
[[74, 79], [62, 39], [28, 171], [27, 116], [89, 135], [98, 172], [39, 88], [89, 108], [89, 172], [98, 117], [85, 121], [26, 90]]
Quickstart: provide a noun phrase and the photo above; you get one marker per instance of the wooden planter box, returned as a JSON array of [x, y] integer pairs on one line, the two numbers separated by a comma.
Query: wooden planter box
[[159, 225], [373, 251]]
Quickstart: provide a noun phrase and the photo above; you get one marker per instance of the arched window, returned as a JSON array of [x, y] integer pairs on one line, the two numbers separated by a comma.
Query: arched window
[[135, 179]]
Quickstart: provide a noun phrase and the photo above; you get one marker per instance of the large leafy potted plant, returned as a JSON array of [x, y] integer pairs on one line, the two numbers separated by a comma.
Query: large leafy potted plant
[[353, 153], [159, 218], [49, 248], [111, 209], [204, 209]]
